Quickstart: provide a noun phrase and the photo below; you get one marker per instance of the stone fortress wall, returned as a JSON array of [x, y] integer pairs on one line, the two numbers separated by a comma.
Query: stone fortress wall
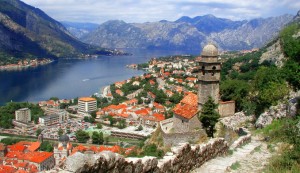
[[175, 136], [182, 158]]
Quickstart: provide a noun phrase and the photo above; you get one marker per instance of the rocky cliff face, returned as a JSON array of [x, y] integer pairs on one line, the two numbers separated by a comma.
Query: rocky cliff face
[[79, 29], [188, 33], [252, 34]]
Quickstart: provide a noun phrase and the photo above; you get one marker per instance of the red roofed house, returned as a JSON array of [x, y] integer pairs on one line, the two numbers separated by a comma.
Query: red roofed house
[[24, 156], [119, 84], [152, 120], [119, 92], [185, 125]]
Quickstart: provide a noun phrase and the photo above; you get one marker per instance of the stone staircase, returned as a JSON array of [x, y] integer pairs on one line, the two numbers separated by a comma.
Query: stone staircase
[[251, 158]]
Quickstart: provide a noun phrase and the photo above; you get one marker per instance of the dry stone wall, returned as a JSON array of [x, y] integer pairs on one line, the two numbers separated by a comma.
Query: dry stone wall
[[182, 158]]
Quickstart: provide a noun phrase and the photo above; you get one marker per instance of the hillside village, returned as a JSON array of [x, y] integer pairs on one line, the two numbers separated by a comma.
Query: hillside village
[[167, 98]]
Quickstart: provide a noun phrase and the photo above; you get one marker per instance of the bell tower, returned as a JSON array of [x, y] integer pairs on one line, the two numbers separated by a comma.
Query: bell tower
[[209, 76]]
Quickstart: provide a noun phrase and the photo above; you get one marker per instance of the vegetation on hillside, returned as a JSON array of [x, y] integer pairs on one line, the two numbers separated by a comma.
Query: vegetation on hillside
[[256, 86], [7, 113]]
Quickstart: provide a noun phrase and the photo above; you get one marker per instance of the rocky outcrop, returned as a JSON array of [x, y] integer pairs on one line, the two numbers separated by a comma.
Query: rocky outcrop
[[182, 158], [274, 54], [279, 111], [236, 121]]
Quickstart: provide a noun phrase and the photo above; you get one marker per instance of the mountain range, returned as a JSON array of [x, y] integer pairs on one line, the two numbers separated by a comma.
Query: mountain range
[[26, 31], [186, 33]]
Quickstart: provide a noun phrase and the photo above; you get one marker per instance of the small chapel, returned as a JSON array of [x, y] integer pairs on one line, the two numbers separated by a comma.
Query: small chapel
[[185, 125]]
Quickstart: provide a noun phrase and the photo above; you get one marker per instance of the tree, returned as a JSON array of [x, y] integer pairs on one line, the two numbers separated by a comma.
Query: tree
[[99, 126], [140, 128], [46, 146], [38, 132], [97, 138], [209, 116], [112, 121], [54, 98], [176, 98], [60, 132], [236, 90], [93, 114], [122, 124], [82, 136]]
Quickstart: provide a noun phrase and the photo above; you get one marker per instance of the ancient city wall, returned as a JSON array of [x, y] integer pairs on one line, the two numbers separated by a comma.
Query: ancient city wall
[[175, 138], [182, 158]]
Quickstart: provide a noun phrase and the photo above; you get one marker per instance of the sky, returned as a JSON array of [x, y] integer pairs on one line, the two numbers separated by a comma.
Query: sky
[[140, 11]]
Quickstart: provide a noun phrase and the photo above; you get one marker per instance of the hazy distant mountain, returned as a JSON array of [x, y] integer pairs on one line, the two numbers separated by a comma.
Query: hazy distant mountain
[[79, 29], [28, 31], [187, 33], [209, 23]]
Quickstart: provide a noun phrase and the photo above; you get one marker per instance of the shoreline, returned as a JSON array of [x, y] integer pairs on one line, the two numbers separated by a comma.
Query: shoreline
[[31, 63]]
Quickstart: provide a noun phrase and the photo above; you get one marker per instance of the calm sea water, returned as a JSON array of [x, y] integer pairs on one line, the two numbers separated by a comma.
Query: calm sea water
[[70, 78]]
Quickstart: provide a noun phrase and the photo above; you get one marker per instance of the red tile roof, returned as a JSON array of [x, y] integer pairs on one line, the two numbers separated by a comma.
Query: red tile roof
[[87, 99], [159, 117], [6, 169], [16, 147], [188, 106], [144, 111], [36, 157], [34, 146], [191, 99]]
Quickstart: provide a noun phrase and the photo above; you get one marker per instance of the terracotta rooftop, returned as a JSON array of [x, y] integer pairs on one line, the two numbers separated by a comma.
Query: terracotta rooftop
[[36, 157], [6, 169], [188, 106], [16, 147], [185, 110], [191, 99], [87, 99], [159, 117], [34, 146]]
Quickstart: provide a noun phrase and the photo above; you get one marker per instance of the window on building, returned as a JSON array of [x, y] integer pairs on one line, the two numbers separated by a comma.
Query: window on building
[[213, 72], [203, 70]]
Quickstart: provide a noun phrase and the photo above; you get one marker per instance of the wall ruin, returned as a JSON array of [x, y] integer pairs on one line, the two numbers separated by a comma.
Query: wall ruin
[[182, 158]]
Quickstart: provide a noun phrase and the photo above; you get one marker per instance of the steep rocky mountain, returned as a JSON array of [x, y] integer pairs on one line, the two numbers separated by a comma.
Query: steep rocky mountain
[[209, 23], [252, 34], [163, 35], [188, 33], [27, 31], [79, 29]]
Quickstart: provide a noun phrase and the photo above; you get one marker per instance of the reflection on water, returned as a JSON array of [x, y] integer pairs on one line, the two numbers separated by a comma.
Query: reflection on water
[[70, 78]]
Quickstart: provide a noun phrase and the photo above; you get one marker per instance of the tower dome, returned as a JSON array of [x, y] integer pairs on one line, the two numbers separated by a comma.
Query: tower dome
[[210, 50], [64, 138]]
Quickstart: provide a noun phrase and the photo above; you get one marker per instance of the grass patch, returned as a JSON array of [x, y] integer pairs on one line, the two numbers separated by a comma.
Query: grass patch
[[257, 149], [230, 152], [270, 147], [235, 165]]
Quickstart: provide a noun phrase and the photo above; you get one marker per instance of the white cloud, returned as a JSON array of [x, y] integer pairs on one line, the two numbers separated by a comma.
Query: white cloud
[[155, 10]]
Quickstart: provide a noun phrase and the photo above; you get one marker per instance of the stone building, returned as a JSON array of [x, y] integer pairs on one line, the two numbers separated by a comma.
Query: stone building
[[63, 150], [209, 77], [3, 150], [185, 125], [209, 80]]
